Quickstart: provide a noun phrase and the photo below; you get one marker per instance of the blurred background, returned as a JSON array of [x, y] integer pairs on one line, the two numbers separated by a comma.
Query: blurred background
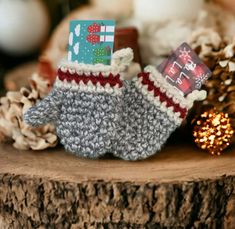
[[34, 38], [34, 33], [26, 27]]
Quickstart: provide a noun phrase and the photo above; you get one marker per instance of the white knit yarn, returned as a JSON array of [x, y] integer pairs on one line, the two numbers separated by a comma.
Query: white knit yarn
[[175, 116], [121, 59], [160, 82], [89, 87]]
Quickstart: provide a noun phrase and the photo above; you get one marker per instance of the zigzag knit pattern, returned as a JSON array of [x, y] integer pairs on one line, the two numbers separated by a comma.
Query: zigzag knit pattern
[[149, 117], [110, 80], [96, 112], [89, 108], [152, 110], [89, 82]]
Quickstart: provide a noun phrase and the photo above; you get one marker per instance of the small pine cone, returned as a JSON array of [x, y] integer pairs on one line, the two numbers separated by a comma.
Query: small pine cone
[[12, 126], [220, 86], [205, 41]]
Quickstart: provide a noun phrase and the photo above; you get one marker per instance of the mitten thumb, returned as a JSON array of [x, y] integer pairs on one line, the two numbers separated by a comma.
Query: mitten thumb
[[44, 111]]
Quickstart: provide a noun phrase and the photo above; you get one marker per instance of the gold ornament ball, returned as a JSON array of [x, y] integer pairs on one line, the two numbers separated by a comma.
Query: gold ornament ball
[[213, 132]]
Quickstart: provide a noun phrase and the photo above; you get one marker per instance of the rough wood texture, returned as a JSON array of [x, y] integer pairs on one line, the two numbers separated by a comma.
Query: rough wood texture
[[181, 187]]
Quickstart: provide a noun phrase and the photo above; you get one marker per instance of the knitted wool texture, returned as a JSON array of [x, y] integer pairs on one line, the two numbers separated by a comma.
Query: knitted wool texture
[[152, 110], [95, 111], [85, 104]]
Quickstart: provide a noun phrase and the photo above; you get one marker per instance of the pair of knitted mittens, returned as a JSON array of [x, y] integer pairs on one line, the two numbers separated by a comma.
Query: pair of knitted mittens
[[96, 111]]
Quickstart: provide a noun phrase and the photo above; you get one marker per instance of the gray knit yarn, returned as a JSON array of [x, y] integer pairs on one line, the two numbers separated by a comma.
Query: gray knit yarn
[[85, 121], [97, 116], [92, 124], [47, 110], [143, 128]]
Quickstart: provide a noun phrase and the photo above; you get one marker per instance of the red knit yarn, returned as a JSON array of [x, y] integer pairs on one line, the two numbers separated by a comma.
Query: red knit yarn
[[162, 96], [103, 80]]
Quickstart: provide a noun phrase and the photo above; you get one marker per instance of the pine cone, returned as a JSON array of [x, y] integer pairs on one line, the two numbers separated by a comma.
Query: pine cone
[[12, 126], [221, 85], [205, 41]]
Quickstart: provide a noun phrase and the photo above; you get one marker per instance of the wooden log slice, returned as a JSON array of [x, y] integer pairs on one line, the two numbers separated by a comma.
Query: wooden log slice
[[180, 187]]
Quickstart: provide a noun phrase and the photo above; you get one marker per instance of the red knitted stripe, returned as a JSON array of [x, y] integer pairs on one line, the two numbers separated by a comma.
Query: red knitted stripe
[[162, 96], [103, 80]]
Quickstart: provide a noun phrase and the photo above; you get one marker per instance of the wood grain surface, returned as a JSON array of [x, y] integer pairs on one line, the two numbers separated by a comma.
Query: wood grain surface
[[180, 187], [182, 162]]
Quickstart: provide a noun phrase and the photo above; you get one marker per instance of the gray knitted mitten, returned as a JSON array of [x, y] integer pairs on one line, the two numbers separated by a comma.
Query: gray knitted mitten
[[85, 104], [152, 110]]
